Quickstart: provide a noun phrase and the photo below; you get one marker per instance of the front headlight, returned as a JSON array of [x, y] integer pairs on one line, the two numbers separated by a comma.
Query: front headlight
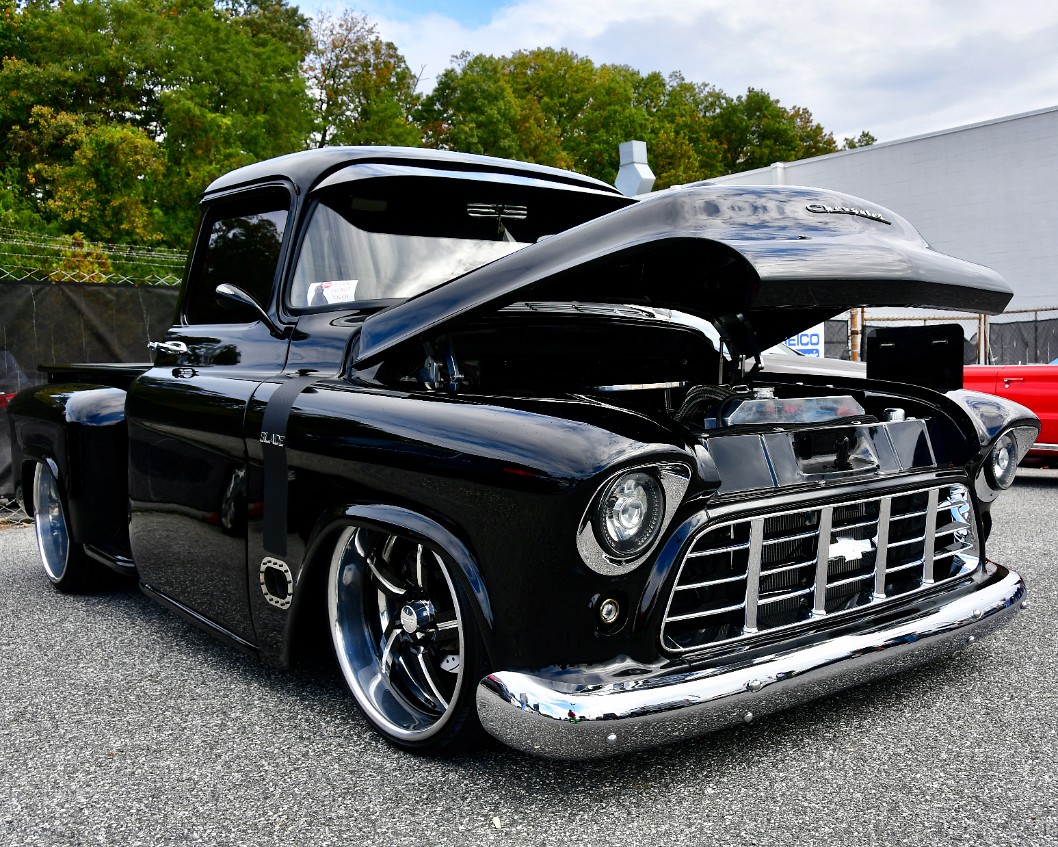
[[628, 514], [1002, 463]]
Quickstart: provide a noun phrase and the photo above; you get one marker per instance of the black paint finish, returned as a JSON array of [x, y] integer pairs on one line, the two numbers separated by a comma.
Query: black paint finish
[[493, 467]]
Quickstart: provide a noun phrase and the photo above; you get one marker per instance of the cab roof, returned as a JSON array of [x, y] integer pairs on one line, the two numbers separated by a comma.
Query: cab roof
[[306, 168]]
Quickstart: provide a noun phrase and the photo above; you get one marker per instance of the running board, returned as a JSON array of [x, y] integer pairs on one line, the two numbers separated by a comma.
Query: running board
[[115, 561], [201, 621]]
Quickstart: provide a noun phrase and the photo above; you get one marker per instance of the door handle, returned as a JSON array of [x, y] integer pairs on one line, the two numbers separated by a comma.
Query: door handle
[[1009, 379], [173, 347]]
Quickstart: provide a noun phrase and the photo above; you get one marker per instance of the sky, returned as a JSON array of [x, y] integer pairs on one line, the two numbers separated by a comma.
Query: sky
[[897, 68]]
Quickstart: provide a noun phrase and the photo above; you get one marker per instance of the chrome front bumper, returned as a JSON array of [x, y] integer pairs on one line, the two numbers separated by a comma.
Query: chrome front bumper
[[564, 720]]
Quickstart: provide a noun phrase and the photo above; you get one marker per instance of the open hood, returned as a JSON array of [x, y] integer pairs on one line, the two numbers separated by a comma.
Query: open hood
[[782, 258]]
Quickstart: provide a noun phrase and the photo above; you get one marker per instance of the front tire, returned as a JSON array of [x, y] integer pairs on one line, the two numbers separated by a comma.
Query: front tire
[[65, 564], [406, 640]]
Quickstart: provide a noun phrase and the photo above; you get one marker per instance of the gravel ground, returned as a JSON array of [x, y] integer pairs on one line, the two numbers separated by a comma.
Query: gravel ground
[[123, 725]]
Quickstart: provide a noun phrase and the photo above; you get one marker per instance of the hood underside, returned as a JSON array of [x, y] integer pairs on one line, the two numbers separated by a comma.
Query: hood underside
[[781, 258]]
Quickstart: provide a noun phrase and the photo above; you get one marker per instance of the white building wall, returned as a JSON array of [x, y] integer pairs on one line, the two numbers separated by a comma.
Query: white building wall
[[986, 192]]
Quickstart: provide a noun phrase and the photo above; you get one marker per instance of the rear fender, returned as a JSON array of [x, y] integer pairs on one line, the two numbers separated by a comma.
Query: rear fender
[[80, 432]]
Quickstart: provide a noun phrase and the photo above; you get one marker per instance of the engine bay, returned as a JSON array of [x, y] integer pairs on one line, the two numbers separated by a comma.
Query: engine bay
[[675, 371]]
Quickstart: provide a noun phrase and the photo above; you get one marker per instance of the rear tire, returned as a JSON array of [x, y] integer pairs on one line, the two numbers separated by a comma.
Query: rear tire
[[405, 636], [65, 564]]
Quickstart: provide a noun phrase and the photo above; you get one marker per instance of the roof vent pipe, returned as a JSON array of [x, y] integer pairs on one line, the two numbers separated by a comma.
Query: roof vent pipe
[[634, 176]]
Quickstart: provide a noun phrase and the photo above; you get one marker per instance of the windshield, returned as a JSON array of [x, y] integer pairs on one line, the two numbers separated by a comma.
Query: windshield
[[341, 263], [394, 237]]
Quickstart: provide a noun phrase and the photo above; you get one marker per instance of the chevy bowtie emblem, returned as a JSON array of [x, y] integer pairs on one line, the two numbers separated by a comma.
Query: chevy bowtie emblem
[[850, 549]]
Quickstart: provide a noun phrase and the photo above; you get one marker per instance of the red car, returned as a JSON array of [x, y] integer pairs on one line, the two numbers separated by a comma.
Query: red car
[[1035, 386]]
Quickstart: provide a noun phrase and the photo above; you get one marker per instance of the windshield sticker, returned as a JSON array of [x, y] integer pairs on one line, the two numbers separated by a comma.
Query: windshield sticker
[[335, 291]]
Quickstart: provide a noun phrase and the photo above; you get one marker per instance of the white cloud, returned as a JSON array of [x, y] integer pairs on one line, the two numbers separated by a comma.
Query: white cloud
[[897, 68]]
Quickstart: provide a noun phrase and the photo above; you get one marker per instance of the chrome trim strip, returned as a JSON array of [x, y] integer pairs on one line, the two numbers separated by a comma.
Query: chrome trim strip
[[638, 386], [569, 720], [756, 544]]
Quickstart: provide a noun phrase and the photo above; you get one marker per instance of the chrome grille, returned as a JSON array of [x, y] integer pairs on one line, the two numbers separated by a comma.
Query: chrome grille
[[770, 571]]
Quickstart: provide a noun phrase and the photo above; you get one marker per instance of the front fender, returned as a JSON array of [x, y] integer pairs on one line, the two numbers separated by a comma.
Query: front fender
[[388, 518], [503, 483], [992, 416]]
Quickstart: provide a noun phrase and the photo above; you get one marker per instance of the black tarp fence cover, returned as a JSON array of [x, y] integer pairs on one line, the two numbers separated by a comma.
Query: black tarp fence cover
[[1026, 342], [62, 323], [54, 323], [1023, 342]]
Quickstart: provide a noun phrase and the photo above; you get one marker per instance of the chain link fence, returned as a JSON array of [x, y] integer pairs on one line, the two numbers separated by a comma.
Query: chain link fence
[[1030, 338], [11, 513], [36, 257]]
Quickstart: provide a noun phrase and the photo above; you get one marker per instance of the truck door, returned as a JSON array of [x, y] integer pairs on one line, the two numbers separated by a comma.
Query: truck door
[[186, 415]]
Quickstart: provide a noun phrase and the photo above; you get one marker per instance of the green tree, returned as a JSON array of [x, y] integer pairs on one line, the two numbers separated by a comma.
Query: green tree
[[754, 131], [473, 109], [362, 89], [191, 88], [864, 139], [558, 108], [547, 106], [680, 146], [103, 188]]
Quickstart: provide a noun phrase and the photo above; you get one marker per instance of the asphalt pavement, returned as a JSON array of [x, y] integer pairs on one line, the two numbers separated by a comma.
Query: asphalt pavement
[[121, 724]]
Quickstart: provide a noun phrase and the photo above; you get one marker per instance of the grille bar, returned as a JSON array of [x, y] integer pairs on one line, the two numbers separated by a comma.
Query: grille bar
[[706, 614], [787, 596], [786, 538], [775, 570], [710, 582], [756, 544], [930, 540], [826, 521], [881, 553], [731, 548], [795, 566]]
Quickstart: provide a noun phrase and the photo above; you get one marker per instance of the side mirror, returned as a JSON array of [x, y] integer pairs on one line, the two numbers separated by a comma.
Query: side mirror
[[228, 293]]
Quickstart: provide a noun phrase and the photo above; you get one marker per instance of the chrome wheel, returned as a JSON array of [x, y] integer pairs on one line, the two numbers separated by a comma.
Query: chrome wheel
[[53, 538], [64, 560], [400, 636]]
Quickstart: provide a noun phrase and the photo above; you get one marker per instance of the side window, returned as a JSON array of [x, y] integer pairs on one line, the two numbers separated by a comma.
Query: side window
[[239, 243]]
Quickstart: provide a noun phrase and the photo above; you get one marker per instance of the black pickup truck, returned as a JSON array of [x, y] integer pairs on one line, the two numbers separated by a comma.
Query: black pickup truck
[[498, 429]]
